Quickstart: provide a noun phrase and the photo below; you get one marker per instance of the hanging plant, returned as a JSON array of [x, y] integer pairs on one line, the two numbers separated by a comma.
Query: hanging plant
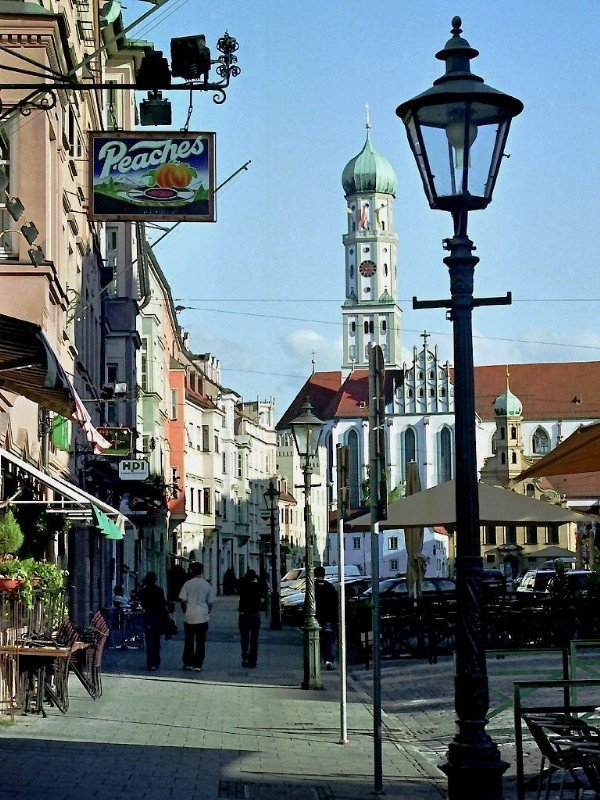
[[11, 535]]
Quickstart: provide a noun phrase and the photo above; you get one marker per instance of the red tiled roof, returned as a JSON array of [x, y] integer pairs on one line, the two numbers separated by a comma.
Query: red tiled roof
[[562, 390], [320, 388], [582, 485], [565, 390], [331, 399]]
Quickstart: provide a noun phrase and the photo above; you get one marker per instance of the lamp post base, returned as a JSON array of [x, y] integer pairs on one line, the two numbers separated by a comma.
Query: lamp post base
[[474, 773], [312, 656]]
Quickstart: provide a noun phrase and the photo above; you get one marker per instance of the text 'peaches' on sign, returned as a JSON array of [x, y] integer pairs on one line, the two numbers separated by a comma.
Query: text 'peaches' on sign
[[166, 176]]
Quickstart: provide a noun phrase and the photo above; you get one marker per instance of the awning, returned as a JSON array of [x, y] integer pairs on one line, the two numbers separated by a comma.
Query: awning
[[579, 453], [30, 367], [106, 525], [437, 506], [76, 500]]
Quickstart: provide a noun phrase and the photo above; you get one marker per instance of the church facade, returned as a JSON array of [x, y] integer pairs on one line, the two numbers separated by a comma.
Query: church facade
[[552, 401]]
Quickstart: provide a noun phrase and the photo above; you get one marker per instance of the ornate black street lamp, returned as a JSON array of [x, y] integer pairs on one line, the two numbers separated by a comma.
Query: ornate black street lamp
[[457, 131], [306, 430], [271, 496]]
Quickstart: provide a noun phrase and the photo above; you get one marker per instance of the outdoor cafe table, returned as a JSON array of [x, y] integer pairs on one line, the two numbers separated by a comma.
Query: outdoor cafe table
[[35, 659]]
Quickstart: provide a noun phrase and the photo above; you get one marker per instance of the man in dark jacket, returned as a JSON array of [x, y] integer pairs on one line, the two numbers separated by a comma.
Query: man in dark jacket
[[326, 599], [251, 593]]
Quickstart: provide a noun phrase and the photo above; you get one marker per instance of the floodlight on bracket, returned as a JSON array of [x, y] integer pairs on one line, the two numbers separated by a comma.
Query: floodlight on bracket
[[15, 208], [43, 96], [36, 255], [30, 232]]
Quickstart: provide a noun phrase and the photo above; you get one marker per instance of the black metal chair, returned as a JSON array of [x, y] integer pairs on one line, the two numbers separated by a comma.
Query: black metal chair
[[569, 746]]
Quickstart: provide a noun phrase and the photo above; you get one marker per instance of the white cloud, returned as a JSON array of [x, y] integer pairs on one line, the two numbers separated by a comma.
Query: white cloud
[[537, 345], [299, 346]]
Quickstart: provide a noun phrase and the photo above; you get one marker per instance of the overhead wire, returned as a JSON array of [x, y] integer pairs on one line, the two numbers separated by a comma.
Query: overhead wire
[[406, 330]]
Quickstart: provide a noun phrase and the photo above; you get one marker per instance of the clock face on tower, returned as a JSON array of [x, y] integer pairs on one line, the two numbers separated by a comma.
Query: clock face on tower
[[367, 269]]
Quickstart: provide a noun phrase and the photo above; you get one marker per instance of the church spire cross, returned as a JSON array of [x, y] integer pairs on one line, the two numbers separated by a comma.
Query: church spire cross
[[507, 377], [367, 117], [425, 336], [313, 361]]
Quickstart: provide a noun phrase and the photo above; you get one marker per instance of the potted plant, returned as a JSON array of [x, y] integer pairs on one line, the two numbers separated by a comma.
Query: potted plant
[[11, 539], [11, 535]]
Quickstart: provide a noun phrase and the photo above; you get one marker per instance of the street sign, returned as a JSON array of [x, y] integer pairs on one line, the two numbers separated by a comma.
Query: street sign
[[133, 470]]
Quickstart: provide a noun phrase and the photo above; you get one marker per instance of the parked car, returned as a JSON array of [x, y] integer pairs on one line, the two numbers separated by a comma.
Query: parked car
[[292, 605], [398, 587], [331, 574], [536, 580], [291, 576], [577, 581]]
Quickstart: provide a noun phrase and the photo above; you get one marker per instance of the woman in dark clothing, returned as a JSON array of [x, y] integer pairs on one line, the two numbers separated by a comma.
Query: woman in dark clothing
[[152, 598], [251, 593]]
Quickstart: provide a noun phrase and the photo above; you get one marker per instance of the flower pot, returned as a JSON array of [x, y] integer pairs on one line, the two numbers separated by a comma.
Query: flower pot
[[9, 584]]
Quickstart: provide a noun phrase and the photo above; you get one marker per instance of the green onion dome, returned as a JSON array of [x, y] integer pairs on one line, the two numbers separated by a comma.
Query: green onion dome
[[369, 171]]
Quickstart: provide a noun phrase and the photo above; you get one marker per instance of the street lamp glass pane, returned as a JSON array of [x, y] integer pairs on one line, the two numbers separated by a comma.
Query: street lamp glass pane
[[458, 148]]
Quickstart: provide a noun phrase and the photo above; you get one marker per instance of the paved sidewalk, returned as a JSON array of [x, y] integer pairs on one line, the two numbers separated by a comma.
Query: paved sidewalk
[[226, 733]]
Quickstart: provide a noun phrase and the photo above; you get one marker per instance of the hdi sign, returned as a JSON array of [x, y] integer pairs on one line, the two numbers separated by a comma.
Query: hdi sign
[[133, 470]]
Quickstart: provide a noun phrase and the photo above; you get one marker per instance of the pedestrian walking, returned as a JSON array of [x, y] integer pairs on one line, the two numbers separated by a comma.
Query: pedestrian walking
[[152, 599], [196, 598], [251, 594], [326, 600]]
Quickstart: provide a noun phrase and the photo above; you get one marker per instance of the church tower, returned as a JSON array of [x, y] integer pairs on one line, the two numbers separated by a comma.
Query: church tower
[[370, 312], [509, 459]]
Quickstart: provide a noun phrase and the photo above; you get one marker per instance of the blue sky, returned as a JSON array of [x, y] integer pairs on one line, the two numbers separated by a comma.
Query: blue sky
[[263, 286]]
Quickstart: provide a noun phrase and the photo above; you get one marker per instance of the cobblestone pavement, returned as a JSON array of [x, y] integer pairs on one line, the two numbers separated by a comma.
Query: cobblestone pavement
[[229, 732], [221, 734]]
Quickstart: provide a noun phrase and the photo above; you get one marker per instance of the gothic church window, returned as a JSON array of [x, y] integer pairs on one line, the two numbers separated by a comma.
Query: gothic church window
[[513, 432], [353, 327], [351, 270], [540, 441], [385, 269], [353, 469], [513, 458], [503, 458], [410, 448], [502, 435], [445, 468], [383, 325]]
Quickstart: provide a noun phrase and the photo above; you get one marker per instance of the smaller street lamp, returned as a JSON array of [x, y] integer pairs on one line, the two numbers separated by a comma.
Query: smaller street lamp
[[306, 430], [271, 496]]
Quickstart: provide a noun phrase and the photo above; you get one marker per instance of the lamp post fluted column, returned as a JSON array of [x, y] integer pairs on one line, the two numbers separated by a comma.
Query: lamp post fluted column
[[271, 496], [311, 628], [473, 757]]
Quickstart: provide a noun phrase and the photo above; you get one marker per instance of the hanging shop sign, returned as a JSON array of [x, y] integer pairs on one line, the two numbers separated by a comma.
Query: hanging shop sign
[[120, 441], [166, 176]]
